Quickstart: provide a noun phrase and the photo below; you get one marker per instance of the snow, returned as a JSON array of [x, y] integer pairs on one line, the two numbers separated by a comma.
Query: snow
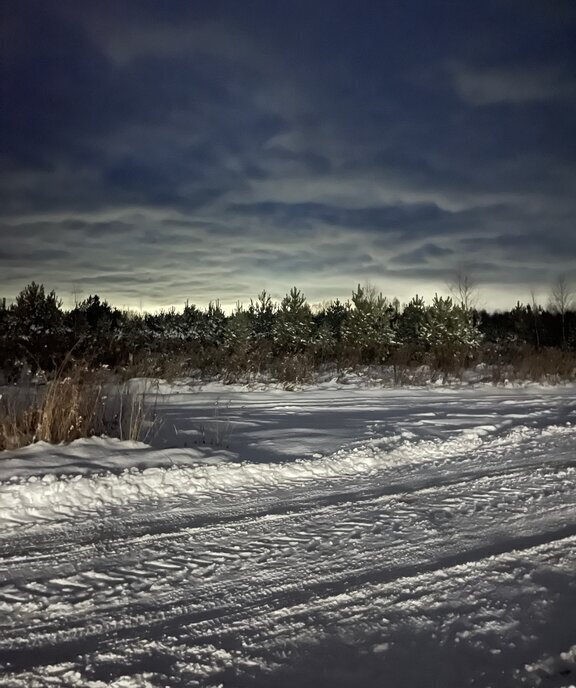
[[337, 535]]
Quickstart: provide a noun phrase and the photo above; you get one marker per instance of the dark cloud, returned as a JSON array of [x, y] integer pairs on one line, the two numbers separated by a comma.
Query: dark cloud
[[423, 254], [381, 218], [547, 245], [234, 146], [22, 256]]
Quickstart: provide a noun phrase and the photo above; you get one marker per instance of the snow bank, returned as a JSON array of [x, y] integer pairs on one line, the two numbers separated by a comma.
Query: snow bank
[[37, 499]]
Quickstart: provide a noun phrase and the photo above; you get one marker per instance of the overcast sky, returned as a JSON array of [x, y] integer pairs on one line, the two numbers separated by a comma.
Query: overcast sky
[[158, 151]]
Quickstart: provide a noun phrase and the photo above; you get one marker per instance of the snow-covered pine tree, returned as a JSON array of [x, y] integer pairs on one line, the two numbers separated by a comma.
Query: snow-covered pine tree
[[451, 333], [292, 330], [367, 331], [215, 325], [411, 328], [262, 315], [192, 324], [239, 328], [36, 324], [92, 324]]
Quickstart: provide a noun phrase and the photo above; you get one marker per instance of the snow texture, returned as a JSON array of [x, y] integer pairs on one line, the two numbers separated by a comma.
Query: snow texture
[[333, 536]]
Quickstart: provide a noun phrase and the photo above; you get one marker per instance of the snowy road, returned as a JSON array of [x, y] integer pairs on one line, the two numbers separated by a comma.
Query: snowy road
[[436, 546]]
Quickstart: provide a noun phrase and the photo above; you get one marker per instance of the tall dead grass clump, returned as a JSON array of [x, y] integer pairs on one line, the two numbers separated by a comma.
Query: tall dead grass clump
[[129, 415], [64, 409], [77, 403], [547, 365], [293, 370]]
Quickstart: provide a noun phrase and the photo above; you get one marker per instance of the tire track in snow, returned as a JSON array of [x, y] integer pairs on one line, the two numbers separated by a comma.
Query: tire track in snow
[[204, 575], [172, 514], [208, 626], [558, 478], [370, 524]]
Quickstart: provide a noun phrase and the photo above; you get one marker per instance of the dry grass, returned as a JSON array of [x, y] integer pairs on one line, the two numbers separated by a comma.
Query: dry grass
[[551, 366], [293, 370], [130, 415], [77, 404], [65, 409]]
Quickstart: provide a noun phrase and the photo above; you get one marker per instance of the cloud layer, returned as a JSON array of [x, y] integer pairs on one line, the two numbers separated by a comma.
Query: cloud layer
[[159, 152]]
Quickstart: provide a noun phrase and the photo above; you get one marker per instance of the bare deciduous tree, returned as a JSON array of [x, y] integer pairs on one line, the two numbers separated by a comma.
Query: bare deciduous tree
[[464, 289], [561, 301], [535, 316]]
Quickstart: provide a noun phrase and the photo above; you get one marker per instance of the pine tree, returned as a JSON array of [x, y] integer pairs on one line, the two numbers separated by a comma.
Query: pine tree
[[262, 316], [36, 322], [368, 328], [411, 325], [215, 326], [451, 333], [192, 324], [92, 324], [292, 330]]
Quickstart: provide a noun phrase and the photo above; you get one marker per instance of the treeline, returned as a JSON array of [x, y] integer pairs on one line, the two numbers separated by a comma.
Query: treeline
[[287, 339]]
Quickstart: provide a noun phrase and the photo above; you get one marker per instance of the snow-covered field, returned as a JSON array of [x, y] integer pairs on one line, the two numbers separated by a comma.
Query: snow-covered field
[[334, 536]]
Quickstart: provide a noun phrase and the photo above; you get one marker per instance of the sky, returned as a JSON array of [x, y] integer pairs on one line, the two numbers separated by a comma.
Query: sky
[[155, 151]]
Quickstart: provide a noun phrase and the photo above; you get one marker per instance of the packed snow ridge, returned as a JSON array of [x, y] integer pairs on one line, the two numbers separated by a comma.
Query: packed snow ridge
[[324, 537]]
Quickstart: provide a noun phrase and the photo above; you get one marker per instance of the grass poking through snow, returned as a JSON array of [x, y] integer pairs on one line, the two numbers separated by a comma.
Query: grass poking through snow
[[76, 403]]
